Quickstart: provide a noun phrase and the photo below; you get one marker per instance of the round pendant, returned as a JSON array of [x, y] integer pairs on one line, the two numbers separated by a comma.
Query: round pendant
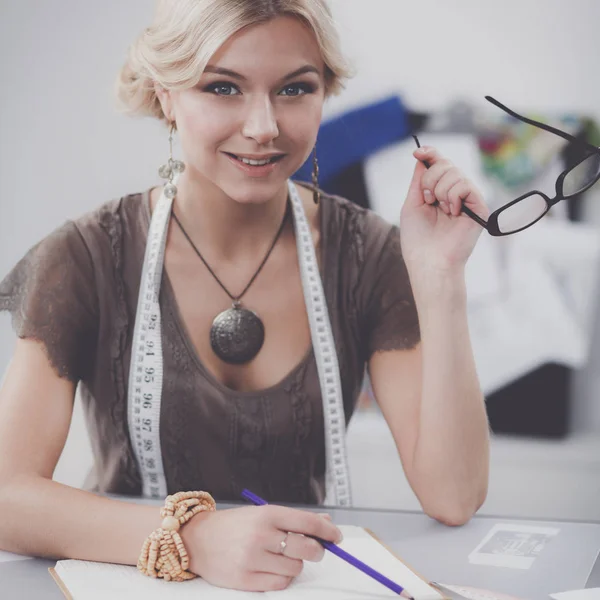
[[237, 335]]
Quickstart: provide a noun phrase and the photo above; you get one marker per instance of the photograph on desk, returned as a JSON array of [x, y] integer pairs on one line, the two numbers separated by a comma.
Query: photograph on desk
[[299, 298], [512, 546]]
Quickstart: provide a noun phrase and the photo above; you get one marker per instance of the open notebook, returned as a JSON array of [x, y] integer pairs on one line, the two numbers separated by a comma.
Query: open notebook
[[332, 578]]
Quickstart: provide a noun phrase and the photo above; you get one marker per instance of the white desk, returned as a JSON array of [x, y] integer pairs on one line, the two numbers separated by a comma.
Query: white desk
[[437, 552]]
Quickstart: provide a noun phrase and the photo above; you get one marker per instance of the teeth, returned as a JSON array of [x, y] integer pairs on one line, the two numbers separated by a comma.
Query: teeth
[[255, 163]]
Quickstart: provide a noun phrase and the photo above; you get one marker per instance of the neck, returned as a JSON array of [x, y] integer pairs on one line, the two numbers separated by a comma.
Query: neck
[[222, 226]]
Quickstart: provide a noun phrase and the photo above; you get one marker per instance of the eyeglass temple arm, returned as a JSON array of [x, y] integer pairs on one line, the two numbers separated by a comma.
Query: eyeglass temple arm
[[549, 128], [474, 216]]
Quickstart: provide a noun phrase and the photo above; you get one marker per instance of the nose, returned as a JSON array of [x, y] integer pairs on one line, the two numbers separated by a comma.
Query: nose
[[260, 123]]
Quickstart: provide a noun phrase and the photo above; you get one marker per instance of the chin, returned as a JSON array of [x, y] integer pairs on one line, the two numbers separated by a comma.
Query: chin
[[253, 194], [249, 191]]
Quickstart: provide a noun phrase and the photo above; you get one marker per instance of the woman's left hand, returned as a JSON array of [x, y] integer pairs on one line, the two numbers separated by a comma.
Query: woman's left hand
[[438, 237]]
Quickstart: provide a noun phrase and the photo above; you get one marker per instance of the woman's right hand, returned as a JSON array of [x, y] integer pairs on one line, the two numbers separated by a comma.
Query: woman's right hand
[[240, 548]]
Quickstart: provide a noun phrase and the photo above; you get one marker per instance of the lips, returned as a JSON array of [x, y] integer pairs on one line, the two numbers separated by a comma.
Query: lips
[[256, 166]]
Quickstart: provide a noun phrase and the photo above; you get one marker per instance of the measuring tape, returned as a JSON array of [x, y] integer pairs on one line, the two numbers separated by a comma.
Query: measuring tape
[[338, 476], [146, 370]]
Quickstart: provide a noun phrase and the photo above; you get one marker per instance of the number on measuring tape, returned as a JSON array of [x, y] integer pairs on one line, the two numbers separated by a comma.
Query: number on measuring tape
[[338, 476], [146, 369]]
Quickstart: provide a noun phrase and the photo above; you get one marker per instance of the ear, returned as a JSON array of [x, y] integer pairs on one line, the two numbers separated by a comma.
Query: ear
[[166, 101]]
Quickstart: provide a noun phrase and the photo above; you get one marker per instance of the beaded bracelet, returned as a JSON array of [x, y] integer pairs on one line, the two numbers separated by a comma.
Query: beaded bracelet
[[163, 553]]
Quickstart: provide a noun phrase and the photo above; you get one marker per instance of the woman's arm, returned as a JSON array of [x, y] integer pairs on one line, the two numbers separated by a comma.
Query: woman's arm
[[431, 396], [432, 402], [43, 517], [238, 548]]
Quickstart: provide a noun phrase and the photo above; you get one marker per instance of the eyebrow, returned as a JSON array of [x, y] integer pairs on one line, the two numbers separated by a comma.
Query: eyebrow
[[234, 75]]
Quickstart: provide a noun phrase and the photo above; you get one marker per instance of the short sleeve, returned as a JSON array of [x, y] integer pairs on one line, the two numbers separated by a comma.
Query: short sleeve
[[391, 320], [51, 296]]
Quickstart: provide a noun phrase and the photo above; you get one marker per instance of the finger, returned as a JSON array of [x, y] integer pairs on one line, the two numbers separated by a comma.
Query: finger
[[427, 153], [265, 582], [414, 196], [307, 523], [278, 564], [449, 179], [463, 192], [444, 207], [325, 516], [434, 174], [456, 194], [301, 547]]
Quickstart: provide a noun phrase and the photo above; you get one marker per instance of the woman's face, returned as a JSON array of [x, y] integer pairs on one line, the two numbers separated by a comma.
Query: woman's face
[[260, 98]]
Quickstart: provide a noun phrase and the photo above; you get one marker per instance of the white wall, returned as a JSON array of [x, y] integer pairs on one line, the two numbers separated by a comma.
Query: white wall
[[529, 53], [64, 150]]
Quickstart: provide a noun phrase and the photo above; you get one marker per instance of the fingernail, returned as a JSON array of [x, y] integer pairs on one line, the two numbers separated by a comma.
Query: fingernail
[[325, 516], [428, 196], [424, 150], [445, 207], [340, 536]]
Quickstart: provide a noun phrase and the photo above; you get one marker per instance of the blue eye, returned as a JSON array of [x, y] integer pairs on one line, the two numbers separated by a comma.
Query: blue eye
[[297, 89], [223, 89]]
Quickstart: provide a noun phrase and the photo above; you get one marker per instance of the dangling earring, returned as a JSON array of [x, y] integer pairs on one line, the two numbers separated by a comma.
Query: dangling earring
[[169, 170], [315, 177]]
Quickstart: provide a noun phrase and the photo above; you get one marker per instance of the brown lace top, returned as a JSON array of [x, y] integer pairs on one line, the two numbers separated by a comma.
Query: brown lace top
[[76, 292]]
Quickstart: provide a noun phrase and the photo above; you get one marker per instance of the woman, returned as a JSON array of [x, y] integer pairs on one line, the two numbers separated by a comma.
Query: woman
[[242, 85]]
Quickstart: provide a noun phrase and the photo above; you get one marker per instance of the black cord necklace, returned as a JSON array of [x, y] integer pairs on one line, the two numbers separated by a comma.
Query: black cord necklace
[[237, 334]]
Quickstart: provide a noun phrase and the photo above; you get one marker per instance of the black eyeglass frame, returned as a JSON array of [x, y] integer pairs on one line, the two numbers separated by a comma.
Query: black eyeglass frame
[[491, 225]]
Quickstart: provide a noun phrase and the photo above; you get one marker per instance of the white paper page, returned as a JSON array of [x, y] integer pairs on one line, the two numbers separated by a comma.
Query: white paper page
[[99, 581], [471, 593], [334, 579], [10, 557], [590, 594]]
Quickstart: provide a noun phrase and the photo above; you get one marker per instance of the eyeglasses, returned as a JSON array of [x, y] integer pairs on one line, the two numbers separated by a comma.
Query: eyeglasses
[[532, 206]]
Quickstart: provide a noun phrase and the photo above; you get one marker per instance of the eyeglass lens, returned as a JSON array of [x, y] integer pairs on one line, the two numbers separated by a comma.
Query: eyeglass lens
[[582, 175], [522, 214]]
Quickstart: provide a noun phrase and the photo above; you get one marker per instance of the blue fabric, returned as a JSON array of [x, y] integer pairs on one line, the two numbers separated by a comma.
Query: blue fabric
[[353, 136]]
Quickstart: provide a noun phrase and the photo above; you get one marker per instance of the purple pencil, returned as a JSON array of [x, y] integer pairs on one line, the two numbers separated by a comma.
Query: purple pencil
[[352, 560]]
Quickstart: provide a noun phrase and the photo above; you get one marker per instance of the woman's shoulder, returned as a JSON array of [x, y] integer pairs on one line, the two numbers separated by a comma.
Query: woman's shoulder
[[53, 292], [110, 218], [96, 238]]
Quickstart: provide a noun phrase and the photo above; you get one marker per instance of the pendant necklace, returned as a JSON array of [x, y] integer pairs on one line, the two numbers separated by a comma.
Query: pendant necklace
[[237, 334]]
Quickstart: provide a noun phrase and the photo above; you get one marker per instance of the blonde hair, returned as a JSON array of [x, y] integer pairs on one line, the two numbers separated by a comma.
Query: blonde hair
[[174, 51]]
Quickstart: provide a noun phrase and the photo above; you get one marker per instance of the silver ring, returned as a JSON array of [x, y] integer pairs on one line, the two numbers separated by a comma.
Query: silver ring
[[283, 544]]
